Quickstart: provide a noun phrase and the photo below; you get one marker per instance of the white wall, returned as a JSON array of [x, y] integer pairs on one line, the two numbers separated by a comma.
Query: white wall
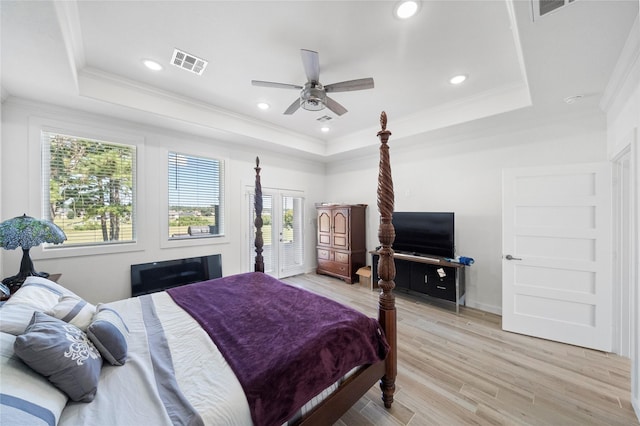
[[105, 277], [460, 173], [622, 104], [463, 174]]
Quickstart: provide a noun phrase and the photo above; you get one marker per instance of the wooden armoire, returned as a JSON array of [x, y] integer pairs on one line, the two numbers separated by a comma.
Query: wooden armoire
[[341, 240]]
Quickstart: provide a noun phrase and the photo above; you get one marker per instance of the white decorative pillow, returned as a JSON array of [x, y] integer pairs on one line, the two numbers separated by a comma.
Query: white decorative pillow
[[73, 310], [63, 354], [109, 332], [39, 293], [27, 397]]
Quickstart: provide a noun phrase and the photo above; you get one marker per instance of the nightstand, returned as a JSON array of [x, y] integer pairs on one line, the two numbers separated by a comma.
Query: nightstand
[[54, 277]]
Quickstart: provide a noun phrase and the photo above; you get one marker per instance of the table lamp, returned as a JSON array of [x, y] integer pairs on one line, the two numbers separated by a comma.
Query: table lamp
[[26, 232]]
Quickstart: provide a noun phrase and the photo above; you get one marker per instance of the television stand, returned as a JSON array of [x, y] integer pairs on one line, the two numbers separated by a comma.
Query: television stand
[[430, 275]]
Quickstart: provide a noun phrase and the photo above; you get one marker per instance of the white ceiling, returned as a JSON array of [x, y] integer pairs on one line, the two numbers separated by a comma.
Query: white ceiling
[[88, 55]]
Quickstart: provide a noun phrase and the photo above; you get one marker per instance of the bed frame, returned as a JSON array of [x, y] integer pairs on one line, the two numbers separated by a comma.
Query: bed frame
[[338, 403]]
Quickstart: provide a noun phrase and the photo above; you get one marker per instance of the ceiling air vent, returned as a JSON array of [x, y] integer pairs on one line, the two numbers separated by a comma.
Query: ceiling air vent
[[188, 62], [324, 118], [543, 7]]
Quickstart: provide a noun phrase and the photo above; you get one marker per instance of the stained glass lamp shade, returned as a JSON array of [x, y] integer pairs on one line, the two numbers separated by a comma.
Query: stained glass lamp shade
[[26, 232]]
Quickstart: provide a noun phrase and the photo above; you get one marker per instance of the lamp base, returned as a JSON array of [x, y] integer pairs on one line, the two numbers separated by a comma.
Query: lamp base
[[26, 270]]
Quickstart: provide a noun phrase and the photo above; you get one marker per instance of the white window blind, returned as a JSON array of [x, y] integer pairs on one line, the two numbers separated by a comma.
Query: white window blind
[[196, 196], [89, 188]]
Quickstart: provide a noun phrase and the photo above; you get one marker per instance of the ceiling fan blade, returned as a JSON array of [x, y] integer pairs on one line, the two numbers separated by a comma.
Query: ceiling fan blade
[[334, 106], [277, 85], [311, 64], [347, 86], [293, 107]]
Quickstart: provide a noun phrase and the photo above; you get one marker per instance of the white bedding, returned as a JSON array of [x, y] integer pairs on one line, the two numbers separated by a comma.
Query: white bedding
[[201, 372], [173, 375]]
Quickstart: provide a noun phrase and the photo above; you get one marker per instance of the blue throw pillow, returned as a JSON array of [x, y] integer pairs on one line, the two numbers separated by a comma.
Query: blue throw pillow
[[109, 333]]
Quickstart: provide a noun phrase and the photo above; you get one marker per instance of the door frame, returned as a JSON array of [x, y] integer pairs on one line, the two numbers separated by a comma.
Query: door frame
[[632, 145], [623, 271], [248, 253]]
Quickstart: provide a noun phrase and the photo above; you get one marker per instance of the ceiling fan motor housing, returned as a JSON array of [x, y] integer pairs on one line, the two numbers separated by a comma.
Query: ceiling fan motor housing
[[313, 97]]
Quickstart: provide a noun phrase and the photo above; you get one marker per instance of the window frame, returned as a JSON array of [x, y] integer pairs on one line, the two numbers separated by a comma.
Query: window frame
[[37, 125]]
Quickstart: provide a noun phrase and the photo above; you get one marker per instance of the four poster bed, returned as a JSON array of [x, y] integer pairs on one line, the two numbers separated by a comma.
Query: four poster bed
[[258, 352]]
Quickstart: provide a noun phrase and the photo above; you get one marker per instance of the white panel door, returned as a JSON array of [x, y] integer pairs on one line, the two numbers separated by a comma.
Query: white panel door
[[556, 267]]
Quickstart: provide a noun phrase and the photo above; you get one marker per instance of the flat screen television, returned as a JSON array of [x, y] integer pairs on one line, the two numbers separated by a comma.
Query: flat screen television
[[158, 276], [424, 233]]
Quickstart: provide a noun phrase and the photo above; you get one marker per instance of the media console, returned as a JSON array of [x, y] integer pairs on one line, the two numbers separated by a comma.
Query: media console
[[430, 275]]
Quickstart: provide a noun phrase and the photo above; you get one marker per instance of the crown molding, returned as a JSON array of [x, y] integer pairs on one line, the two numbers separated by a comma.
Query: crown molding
[[116, 90], [626, 74], [482, 105]]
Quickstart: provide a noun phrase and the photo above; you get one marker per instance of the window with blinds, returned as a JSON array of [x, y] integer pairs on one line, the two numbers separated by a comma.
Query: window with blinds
[[196, 196], [89, 188]]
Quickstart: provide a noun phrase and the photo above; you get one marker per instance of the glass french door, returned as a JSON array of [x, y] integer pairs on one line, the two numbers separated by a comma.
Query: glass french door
[[282, 232]]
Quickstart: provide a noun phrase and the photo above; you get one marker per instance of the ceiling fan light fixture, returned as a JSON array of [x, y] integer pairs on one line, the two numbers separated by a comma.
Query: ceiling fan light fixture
[[313, 97], [406, 9], [312, 104]]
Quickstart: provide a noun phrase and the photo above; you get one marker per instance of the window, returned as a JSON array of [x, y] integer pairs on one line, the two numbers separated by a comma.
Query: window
[[89, 188], [196, 197]]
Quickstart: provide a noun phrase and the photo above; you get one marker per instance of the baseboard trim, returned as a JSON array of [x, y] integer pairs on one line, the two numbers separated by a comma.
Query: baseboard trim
[[484, 307]]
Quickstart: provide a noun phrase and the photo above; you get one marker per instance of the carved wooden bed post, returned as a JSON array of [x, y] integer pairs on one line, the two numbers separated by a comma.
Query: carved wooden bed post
[[257, 203], [386, 265]]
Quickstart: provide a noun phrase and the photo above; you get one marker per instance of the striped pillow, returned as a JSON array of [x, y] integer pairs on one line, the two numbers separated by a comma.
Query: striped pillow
[[39, 293], [36, 294], [26, 397], [74, 310], [108, 333]]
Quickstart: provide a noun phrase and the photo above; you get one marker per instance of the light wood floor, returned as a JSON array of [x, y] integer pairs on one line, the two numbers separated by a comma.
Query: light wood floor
[[464, 370]]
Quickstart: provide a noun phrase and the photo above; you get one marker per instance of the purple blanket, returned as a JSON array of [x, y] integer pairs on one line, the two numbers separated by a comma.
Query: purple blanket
[[284, 344]]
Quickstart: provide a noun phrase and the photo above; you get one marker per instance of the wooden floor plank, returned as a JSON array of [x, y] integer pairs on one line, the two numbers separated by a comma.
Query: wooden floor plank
[[464, 370]]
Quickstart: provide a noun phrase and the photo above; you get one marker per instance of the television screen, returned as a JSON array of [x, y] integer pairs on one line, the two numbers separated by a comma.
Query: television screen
[[158, 276], [424, 233]]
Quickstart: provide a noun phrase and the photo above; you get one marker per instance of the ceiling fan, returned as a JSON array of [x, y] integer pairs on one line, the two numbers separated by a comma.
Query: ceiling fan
[[313, 95]]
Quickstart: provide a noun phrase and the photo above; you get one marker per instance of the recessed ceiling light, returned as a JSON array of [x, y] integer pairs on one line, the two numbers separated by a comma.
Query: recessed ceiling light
[[152, 65], [263, 105], [458, 79], [406, 9], [324, 129]]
